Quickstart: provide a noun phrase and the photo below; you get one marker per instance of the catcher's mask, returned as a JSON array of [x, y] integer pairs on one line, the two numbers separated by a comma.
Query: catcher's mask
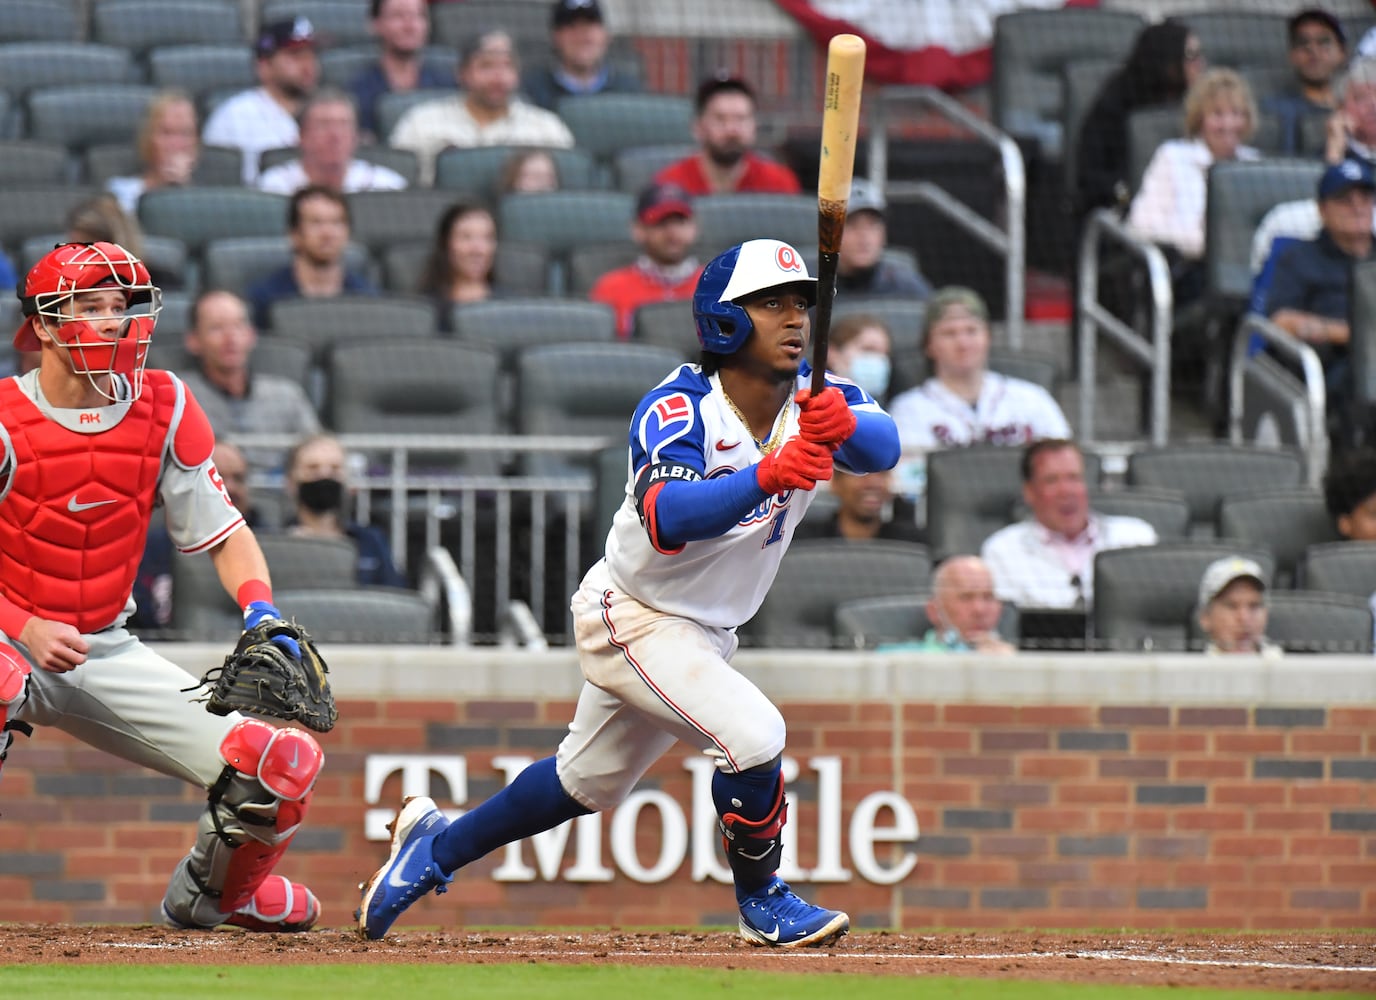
[[48, 297]]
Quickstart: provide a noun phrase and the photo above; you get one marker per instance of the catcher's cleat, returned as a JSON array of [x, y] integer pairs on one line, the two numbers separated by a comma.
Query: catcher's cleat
[[278, 906], [410, 871], [777, 917]]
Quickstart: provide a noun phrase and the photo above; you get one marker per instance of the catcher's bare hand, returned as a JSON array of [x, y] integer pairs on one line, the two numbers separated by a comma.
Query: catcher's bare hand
[[55, 646]]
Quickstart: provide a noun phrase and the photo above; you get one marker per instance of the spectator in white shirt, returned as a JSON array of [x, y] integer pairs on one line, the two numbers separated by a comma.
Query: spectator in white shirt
[[1232, 608], [486, 113], [169, 145], [329, 139], [1047, 560], [265, 116], [965, 403]]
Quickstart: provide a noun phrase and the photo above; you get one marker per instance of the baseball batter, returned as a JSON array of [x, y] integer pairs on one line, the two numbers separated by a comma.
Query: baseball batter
[[89, 443], [723, 459]]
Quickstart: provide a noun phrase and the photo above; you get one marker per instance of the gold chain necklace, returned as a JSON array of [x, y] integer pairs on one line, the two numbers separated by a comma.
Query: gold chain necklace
[[776, 437]]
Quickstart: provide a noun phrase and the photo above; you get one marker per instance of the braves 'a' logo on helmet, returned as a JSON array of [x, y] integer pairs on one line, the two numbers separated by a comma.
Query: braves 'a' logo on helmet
[[740, 272], [788, 260]]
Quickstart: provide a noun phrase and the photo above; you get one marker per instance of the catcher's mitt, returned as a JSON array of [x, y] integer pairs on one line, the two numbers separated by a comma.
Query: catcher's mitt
[[261, 677]]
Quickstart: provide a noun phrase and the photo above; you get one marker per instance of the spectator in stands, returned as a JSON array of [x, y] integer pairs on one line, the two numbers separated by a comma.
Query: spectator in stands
[[264, 117], [1318, 48], [964, 612], [529, 171], [169, 145], [99, 219], [579, 40], [1232, 609], [1169, 209], [666, 270], [860, 348], [462, 256], [726, 160], [237, 399], [486, 113], [1352, 128], [402, 28], [864, 511], [963, 402], [1349, 493], [318, 228], [317, 485], [1165, 61], [329, 140], [861, 267], [1047, 560]]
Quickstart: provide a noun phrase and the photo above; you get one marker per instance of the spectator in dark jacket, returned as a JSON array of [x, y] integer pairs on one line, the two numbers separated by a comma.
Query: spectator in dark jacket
[[578, 63]]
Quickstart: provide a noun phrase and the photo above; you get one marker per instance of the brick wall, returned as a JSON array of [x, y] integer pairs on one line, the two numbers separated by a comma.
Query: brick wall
[[1050, 815]]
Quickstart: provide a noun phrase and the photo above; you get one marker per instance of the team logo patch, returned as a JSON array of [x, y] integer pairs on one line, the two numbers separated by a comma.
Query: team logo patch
[[787, 259], [674, 409]]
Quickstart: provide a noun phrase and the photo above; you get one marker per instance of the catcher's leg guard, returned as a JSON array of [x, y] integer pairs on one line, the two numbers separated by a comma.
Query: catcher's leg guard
[[753, 846], [255, 808], [14, 678]]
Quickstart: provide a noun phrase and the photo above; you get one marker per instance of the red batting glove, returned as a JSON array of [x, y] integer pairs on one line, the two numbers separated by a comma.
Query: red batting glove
[[825, 418], [798, 465]]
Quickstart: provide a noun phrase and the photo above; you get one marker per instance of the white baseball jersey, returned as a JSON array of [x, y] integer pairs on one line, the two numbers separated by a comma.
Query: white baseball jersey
[[1009, 411]]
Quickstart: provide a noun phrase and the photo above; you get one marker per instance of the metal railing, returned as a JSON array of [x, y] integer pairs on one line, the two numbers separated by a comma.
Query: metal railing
[[1313, 443], [1095, 320], [1010, 242]]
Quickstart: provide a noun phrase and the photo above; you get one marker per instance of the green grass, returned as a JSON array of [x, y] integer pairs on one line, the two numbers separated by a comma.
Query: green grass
[[559, 982]]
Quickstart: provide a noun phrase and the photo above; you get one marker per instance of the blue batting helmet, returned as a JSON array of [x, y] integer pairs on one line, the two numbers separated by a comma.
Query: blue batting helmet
[[742, 271]]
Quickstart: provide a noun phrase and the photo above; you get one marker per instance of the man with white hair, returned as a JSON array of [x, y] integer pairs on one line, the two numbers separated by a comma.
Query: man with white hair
[[964, 611]]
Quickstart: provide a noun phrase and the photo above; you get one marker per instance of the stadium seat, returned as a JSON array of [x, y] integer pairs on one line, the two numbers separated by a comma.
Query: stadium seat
[[216, 166], [236, 262], [26, 66], [322, 324], [32, 210], [1240, 39], [379, 219], [903, 316], [586, 390], [587, 264], [605, 124], [82, 115], [27, 161], [1039, 369], [727, 219], [1165, 510], [202, 69], [284, 356], [303, 562], [395, 103], [565, 220], [510, 326], [1344, 567], [379, 615], [1082, 79], [1144, 597], [201, 609], [1240, 194], [1362, 351], [1148, 128], [1275, 404], [1286, 521], [141, 25], [337, 22], [1030, 49], [1305, 621], [197, 215], [818, 575], [452, 24], [635, 166], [870, 621], [667, 324], [1207, 473], [477, 170], [38, 21]]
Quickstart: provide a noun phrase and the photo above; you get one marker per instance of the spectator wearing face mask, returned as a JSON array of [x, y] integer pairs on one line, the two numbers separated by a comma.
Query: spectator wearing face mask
[[317, 486], [860, 349]]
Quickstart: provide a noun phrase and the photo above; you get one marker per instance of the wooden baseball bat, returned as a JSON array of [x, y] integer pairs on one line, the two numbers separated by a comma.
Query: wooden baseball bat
[[840, 128]]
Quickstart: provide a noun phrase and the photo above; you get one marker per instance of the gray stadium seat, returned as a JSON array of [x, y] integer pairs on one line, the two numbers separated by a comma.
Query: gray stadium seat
[[27, 161], [584, 390], [303, 562], [1165, 510], [1239, 39], [140, 25], [477, 170], [1240, 194], [284, 356], [1362, 350], [33, 210], [587, 264], [565, 220], [38, 21], [818, 575], [605, 124], [903, 316], [668, 324], [635, 166], [1039, 369], [1344, 567], [1082, 79], [216, 166], [1144, 597], [198, 215], [82, 115], [201, 69], [201, 609], [727, 219], [379, 615], [870, 621], [323, 324], [1207, 473], [451, 24], [1030, 49], [1148, 128], [26, 66], [1286, 521], [1274, 401], [509, 326], [379, 219], [1305, 621], [336, 22], [236, 262]]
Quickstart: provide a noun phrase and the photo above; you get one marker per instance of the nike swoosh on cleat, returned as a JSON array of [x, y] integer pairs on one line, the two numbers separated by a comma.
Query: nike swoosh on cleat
[[392, 879], [771, 935], [77, 507]]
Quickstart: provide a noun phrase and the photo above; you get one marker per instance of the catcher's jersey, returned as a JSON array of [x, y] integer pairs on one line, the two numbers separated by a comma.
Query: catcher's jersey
[[716, 581], [1009, 411]]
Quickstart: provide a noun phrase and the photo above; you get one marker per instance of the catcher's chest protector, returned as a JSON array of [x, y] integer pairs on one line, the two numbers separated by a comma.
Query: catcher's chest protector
[[74, 519]]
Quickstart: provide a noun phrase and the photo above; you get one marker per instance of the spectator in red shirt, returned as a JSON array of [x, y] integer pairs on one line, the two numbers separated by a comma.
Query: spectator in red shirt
[[726, 161], [666, 269]]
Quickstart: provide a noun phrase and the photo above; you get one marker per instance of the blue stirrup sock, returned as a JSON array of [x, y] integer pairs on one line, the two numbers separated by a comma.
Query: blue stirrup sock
[[534, 802]]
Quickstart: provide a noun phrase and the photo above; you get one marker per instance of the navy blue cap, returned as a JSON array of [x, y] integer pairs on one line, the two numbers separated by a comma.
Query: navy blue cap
[[1342, 177]]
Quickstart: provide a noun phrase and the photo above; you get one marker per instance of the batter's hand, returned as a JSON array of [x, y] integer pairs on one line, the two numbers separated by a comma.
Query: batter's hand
[[55, 646], [798, 465], [826, 417]]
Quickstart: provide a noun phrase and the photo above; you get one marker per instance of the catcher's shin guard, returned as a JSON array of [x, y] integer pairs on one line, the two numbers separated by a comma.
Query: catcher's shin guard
[[754, 847], [14, 679], [255, 809]]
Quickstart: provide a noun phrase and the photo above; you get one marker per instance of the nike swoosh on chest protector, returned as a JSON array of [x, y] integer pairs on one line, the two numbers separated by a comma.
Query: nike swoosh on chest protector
[[76, 506]]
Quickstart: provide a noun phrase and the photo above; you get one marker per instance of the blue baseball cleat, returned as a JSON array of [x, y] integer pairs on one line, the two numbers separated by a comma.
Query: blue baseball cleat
[[410, 871], [777, 917]]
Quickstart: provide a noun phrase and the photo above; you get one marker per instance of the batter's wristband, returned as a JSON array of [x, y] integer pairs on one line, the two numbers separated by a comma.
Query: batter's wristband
[[13, 618], [253, 590]]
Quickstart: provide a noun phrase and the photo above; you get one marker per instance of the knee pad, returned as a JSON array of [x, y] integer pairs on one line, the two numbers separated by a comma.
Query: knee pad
[[754, 847], [255, 808], [14, 680]]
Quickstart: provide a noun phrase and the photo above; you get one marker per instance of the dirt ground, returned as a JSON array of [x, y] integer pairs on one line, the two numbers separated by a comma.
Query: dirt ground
[[1318, 962]]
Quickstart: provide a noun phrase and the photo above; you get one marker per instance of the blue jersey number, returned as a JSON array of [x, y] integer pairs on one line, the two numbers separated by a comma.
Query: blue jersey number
[[776, 527]]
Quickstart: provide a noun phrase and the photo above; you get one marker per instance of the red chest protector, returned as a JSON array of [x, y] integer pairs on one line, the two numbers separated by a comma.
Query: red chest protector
[[74, 521]]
